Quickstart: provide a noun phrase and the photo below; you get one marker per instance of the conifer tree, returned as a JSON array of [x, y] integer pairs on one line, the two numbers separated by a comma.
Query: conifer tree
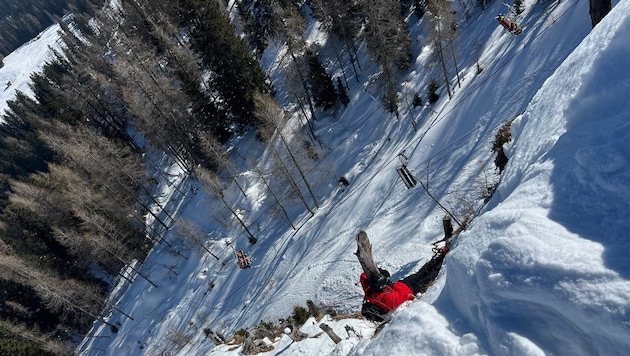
[[320, 82], [237, 76], [343, 20], [273, 119]]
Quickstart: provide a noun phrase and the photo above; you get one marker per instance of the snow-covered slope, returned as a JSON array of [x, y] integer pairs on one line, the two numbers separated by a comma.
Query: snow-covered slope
[[541, 269], [545, 267], [20, 64]]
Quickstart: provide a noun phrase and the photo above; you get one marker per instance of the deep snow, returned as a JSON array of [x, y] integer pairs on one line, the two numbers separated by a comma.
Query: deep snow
[[540, 270]]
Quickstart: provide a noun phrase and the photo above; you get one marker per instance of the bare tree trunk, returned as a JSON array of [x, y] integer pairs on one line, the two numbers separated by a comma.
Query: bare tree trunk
[[364, 253], [299, 168], [598, 9], [191, 233], [275, 197], [338, 57], [440, 53], [335, 338], [459, 82], [441, 16], [212, 182], [213, 149], [291, 181], [307, 92]]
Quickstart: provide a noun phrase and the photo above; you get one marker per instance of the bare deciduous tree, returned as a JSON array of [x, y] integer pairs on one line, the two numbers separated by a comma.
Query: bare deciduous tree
[[441, 26], [191, 233], [73, 300], [48, 343], [266, 181], [337, 19], [213, 183], [388, 41], [273, 122]]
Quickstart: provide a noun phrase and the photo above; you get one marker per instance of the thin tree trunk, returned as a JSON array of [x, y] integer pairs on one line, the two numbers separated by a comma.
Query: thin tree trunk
[[459, 83], [275, 197], [598, 9], [440, 52], [252, 238], [292, 182], [364, 254], [295, 162], [304, 85]]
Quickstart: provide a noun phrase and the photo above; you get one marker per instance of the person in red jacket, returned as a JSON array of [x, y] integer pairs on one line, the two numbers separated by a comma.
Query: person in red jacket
[[383, 296]]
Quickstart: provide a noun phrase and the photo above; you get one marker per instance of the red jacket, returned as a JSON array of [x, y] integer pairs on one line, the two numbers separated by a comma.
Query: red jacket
[[390, 298]]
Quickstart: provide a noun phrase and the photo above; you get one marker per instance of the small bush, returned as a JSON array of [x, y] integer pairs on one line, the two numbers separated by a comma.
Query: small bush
[[266, 325], [300, 315], [417, 100], [432, 91], [311, 151], [503, 136], [239, 336]]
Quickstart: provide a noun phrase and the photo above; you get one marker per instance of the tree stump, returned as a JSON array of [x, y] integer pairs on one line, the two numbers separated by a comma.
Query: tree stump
[[364, 254], [448, 227], [335, 338]]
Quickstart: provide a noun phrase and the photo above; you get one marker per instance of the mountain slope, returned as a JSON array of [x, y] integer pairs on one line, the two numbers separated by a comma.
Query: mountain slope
[[21, 63], [527, 277]]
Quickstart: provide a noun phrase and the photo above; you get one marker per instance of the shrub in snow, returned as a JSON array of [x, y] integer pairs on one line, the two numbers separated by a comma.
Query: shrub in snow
[[503, 136], [432, 91], [300, 315]]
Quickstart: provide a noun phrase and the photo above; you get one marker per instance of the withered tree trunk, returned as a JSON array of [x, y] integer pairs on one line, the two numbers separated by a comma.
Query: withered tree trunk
[[598, 9], [364, 253]]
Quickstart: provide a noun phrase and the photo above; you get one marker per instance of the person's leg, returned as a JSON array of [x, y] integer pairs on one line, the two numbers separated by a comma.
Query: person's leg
[[418, 281]]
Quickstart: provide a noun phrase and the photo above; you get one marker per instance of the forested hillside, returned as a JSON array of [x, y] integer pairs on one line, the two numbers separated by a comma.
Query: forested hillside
[[78, 159], [21, 20]]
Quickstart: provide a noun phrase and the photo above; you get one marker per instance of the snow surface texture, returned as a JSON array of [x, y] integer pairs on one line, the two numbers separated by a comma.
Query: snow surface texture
[[20, 64], [540, 271], [545, 267]]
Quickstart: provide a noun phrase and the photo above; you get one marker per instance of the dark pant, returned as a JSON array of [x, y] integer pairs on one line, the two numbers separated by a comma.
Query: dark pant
[[420, 281]]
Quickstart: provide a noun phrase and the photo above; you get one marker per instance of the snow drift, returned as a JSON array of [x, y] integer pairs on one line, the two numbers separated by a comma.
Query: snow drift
[[544, 269]]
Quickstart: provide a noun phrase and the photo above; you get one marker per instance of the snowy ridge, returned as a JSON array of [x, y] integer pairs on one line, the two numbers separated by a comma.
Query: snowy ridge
[[549, 250], [20, 64]]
